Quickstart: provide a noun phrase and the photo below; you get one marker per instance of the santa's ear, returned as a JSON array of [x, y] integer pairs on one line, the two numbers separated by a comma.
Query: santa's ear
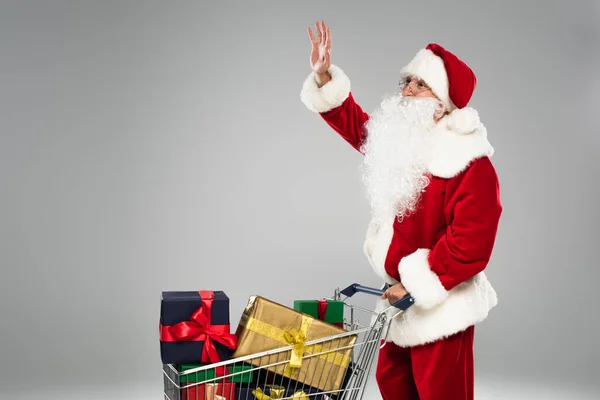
[[463, 120]]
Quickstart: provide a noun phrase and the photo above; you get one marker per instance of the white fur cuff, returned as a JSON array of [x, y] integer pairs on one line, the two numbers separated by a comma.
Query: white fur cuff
[[418, 279], [463, 121], [330, 95]]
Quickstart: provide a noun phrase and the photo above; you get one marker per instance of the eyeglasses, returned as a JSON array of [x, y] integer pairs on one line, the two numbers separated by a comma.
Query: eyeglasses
[[418, 85]]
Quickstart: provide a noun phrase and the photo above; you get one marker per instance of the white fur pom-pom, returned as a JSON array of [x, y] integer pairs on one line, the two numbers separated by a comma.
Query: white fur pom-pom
[[463, 121]]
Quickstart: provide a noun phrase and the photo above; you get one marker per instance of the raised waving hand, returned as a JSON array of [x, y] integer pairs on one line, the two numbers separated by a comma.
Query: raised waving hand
[[320, 55]]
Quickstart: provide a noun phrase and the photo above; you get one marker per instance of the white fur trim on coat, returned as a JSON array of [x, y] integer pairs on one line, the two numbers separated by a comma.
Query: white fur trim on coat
[[429, 67], [453, 152], [467, 304], [377, 242], [330, 95], [418, 279]]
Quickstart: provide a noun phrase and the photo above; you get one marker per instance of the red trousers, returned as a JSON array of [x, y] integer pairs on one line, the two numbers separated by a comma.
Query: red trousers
[[442, 370]]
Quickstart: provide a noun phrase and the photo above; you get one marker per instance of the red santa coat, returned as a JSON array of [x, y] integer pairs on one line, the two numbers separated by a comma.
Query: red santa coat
[[440, 252]]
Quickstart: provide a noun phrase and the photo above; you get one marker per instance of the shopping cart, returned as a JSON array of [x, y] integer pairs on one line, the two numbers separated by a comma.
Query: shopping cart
[[184, 385]]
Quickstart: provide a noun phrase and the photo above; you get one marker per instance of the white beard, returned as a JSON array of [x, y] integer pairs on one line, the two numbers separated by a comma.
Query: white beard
[[399, 136]]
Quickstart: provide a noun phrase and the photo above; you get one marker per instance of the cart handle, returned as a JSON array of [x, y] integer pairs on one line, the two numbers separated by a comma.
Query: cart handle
[[401, 304]]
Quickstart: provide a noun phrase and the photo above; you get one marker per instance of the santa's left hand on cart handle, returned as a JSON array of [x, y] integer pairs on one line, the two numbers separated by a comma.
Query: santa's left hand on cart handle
[[395, 293]]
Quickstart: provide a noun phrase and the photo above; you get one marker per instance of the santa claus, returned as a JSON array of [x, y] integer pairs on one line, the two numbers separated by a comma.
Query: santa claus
[[434, 197]]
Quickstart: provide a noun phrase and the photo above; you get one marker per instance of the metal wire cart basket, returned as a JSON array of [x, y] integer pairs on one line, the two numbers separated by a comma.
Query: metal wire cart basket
[[336, 368]]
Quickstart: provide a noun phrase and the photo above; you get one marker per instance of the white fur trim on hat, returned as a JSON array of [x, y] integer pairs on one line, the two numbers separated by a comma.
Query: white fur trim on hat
[[463, 121], [429, 67]]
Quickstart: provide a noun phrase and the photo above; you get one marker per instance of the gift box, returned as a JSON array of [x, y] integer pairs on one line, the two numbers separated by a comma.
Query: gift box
[[209, 391], [331, 311], [266, 325], [273, 392], [195, 377], [194, 327], [238, 375], [236, 371], [345, 383], [271, 379]]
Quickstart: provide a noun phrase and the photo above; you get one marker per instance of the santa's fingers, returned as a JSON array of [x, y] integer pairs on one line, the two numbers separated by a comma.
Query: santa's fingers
[[321, 32], [311, 37], [324, 30], [389, 294]]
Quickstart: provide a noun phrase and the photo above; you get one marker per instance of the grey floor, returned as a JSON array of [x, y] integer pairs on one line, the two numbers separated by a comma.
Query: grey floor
[[486, 389]]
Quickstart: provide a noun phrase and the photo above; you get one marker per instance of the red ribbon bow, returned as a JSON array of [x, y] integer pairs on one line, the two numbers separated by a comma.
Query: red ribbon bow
[[199, 328], [322, 310]]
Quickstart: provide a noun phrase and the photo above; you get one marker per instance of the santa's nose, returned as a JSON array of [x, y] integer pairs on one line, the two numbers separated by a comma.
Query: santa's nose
[[406, 91]]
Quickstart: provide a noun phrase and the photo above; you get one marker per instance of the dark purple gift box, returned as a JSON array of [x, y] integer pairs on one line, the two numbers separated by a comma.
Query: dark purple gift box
[[191, 321]]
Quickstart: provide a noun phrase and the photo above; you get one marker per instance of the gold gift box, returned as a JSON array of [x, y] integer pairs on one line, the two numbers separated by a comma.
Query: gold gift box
[[266, 325]]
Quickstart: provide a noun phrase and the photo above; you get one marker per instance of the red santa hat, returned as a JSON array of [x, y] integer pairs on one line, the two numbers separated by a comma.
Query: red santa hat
[[451, 80]]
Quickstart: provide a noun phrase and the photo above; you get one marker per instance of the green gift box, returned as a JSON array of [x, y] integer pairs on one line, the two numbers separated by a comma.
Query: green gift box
[[195, 377], [330, 311], [210, 374], [240, 377]]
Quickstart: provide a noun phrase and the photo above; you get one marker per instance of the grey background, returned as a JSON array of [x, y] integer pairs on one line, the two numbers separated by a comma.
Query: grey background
[[151, 146]]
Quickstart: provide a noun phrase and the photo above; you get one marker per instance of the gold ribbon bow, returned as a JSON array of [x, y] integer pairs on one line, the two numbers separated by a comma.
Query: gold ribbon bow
[[297, 338], [300, 395], [277, 393]]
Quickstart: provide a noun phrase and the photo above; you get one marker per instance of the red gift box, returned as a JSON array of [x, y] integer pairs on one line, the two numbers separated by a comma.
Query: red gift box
[[209, 391]]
